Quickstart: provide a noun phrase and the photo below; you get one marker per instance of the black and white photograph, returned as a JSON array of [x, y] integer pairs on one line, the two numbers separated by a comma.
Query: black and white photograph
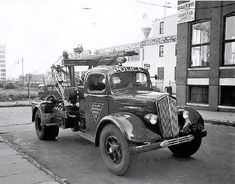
[[117, 92]]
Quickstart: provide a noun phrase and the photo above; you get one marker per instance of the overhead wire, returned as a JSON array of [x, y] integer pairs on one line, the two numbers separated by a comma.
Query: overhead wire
[[169, 6]]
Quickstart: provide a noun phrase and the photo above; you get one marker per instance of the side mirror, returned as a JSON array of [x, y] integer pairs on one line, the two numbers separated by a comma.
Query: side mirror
[[156, 77]]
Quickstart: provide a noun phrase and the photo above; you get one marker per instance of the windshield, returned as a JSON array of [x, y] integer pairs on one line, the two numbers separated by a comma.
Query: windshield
[[129, 80]]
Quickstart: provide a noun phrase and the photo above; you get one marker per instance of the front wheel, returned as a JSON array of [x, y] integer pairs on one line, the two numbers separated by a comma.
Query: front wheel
[[115, 150], [45, 132], [186, 149]]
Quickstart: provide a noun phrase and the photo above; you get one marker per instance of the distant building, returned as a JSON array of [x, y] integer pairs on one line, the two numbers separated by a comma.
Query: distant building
[[2, 64], [206, 56], [157, 53]]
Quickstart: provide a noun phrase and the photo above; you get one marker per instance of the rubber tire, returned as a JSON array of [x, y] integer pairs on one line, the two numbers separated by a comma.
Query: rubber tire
[[185, 150], [45, 132], [50, 98], [128, 158]]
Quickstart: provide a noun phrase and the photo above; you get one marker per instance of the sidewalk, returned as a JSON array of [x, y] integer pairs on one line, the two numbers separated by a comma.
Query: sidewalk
[[15, 104], [218, 118], [18, 168]]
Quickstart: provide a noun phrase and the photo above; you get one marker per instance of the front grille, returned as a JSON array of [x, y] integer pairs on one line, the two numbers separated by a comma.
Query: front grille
[[167, 111]]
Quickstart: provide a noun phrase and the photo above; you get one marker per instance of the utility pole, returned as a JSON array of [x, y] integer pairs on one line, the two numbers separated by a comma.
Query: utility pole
[[23, 70], [29, 78]]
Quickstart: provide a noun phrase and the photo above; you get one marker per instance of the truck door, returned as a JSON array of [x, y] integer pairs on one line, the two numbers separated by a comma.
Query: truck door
[[96, 101]]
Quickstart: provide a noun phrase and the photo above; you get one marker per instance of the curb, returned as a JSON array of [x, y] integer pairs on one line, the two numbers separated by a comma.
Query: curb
[[16, 105], [221, 122], [34, 162]]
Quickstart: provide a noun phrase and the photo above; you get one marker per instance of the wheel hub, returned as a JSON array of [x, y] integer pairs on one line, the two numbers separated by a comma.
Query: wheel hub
[[113, 149]]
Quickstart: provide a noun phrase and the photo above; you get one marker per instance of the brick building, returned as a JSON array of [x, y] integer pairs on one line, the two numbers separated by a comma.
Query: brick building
[[205, 76]]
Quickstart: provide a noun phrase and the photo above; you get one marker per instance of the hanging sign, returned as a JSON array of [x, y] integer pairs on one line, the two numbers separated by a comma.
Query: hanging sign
[[186, 12]]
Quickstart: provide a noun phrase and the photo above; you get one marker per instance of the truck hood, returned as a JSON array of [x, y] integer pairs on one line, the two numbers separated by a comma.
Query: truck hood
[[139, 95], [138, 102]]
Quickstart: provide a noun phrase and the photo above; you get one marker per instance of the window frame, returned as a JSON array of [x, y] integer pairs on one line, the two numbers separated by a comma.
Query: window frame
[[200, 44], [221, 101], [190, 95], [95, 91], [161, 52], [162, 70], [224, 38], [161, 27], [148, 82]]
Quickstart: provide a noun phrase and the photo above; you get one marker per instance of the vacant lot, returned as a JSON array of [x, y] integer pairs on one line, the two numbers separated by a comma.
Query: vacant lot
[[17, 94]]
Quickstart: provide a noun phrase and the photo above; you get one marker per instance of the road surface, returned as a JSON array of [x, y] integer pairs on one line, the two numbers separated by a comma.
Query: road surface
[[78, 161]]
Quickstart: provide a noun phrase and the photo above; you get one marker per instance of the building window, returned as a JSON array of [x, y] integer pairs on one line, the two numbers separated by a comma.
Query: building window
[[229, 47], [143, 55], [160, 73], [161, 50], [200, 51], [176, 49], [161, 30], [227, 95], [175, 74], [198, 94]]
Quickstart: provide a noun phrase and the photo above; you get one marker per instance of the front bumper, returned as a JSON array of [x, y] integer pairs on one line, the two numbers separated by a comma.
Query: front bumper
[[166, 143]]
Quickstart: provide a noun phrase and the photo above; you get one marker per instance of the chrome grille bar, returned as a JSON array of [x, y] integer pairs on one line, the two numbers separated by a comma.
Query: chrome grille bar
[[176, 141], [167, 111]]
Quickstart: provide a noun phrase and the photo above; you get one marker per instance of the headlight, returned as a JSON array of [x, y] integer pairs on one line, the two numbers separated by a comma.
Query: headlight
[[152, 118], [185, 114]]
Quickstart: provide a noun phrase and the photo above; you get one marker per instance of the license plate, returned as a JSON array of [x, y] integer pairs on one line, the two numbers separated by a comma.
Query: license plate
[[197, 126]]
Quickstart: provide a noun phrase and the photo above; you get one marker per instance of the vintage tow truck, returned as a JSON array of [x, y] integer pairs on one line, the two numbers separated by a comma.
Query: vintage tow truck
[[115, 108]]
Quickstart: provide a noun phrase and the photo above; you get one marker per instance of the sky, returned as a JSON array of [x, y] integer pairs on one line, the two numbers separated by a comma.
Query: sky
[[40, 30]]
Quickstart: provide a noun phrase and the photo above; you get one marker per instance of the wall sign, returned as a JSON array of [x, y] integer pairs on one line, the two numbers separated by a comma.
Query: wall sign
[[156, 41], [186, 12], [147, 66]]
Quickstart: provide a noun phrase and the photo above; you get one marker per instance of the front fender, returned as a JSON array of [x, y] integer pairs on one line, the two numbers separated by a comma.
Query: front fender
[[196, 120], [130, 125]]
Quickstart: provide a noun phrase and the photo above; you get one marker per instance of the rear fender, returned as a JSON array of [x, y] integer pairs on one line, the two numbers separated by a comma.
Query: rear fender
[[44, 117], [130, 125], [34, 110]]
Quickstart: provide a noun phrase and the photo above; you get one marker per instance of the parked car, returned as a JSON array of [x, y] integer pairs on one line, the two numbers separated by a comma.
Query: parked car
[[47, 91]]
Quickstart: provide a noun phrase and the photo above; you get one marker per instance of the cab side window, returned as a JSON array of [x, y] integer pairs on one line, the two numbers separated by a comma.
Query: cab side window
[[96, 82]]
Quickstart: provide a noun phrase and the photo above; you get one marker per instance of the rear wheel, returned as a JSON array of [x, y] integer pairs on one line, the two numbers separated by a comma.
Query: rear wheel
[[115, 150], [45, 132], [186, 149]]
